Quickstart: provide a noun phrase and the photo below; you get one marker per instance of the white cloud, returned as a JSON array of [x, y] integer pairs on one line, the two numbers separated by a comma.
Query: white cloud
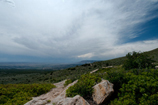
[[58, 28], [122, 50], [88, 55]]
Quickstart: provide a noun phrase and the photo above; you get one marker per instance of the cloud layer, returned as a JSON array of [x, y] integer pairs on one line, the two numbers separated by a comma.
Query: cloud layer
[[91, 29]]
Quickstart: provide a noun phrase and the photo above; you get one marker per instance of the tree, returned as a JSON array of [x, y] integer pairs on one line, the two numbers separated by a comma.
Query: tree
[[138, 60]]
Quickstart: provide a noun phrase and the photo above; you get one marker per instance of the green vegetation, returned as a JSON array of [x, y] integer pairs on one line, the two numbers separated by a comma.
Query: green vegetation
[[138, 60], [84, 86], [138, 89], [42, 76], [134, 82], [19, 94], [132, 87], [119, 61], [48, 101], [154, 54], [14, 76], [68, 81]]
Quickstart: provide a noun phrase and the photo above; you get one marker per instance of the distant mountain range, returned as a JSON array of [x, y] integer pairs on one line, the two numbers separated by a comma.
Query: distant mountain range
[[87, 61], [44, 66]]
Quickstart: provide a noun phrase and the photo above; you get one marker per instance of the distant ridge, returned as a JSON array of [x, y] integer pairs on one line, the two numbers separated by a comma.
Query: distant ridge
[[87, 61], [153, 53]]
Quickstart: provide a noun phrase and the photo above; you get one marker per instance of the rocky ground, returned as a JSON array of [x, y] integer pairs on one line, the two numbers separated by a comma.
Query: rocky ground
[[45, 98]]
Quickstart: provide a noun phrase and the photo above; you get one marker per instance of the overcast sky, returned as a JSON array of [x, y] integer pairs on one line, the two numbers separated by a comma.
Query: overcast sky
[[64, 31]]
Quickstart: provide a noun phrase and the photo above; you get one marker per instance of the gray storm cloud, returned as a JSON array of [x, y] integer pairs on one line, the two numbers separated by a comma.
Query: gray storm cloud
[[79, 29]]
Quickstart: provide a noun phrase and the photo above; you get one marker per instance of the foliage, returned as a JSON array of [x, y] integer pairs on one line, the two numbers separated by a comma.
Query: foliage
[[144, 80], [86, 65], [104, 70], [120, 60], [68, 81], [73, 68], [48, 101], [84, 86], [153, 53], [138, 60], [140, 89], [116, 76], [42, 76], [18, 94]]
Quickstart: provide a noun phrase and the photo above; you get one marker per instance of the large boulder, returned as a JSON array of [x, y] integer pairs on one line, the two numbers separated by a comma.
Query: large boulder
[[102, 92], [77, 100]]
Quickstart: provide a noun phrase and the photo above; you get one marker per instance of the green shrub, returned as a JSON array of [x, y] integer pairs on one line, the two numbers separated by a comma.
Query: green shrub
[[67, 82], [48, 101], [86, 65], [103, 70], [138, 60], [140, 89], [19, 94], [73, 68], [117, 76], [84, 86]]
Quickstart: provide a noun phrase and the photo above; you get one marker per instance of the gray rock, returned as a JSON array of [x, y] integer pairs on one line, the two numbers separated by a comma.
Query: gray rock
[[36, 102], [77, 100], [63, 94], [102, 91]]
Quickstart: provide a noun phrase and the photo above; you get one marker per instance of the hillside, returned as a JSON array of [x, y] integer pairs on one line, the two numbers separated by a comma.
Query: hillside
[[153, 53], [120, 60]]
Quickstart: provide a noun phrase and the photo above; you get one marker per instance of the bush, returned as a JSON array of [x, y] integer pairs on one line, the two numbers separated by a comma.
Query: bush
[[140, 89], [117, 76], [19, 94], [138, 60], [67, 82], [84, 86]]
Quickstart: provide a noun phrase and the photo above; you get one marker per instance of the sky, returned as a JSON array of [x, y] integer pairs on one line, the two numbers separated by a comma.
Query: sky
[[66, 31]]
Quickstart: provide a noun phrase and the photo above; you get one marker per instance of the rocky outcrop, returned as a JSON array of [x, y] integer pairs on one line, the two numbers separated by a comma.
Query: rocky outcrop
[[53, 96], [77, 100], [63, 94], [108, 67], [36, 102], [102, 92], [94, 71], [43, 99]]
